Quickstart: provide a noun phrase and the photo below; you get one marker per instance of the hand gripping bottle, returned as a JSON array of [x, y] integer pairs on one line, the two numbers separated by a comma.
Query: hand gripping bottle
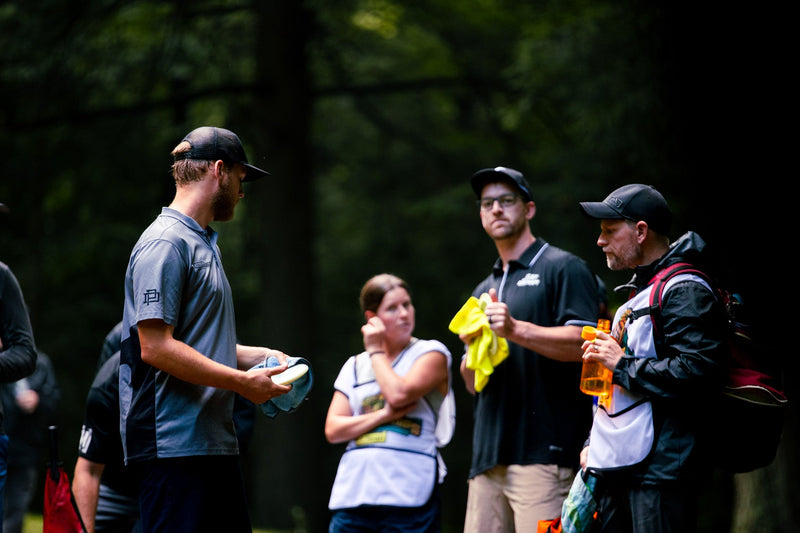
[[596, 378]]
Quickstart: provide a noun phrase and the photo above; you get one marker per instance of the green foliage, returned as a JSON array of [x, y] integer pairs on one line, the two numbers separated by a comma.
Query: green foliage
[[371, 142]]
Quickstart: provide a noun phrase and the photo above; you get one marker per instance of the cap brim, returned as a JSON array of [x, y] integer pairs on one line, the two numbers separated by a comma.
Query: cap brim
[[599, 210], [254, 173]]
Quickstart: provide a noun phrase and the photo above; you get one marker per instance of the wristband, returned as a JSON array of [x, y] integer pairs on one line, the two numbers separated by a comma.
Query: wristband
[[373, 353]]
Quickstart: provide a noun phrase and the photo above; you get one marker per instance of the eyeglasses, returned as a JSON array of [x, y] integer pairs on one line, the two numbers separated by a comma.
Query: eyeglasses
[[506, 200]]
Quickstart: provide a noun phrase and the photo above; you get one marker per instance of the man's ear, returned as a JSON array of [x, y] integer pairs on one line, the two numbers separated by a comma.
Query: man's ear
[[531, 210], [642, 230], [218, 167]]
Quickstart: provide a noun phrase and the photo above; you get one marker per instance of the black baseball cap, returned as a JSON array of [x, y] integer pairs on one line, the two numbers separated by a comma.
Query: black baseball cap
[[209, 143], [633, 202], [491, 175]]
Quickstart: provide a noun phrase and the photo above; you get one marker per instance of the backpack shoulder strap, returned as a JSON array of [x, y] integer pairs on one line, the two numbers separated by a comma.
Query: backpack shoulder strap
[[659, 283], [362, 368]]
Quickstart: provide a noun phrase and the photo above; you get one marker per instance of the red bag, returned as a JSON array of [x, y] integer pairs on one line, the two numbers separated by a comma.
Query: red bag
[[60, 514], [60, 510]]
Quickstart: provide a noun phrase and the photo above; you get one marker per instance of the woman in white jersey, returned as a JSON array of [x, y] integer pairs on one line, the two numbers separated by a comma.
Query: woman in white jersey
[[392, 404]]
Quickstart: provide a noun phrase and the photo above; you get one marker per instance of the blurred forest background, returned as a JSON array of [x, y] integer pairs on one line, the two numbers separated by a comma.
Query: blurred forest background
[[371, 115]]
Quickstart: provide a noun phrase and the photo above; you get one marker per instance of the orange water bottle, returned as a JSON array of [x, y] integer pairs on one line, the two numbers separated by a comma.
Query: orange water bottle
[[596, 378]]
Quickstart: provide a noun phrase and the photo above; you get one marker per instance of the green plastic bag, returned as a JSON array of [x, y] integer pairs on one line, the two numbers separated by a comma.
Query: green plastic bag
[[578, 510]]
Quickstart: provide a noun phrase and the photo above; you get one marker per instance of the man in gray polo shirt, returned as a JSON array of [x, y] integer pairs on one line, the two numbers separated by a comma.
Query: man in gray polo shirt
[[180, 360]]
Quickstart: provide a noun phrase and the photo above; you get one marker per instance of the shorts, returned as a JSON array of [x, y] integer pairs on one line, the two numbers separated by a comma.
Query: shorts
[[516, 497], [116, 512], [198, 494]]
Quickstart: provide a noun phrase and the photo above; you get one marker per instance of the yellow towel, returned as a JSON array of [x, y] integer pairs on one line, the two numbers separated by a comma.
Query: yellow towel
[[487, 350]]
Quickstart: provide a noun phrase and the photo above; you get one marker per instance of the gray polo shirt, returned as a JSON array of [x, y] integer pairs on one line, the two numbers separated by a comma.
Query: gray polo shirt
[[175, 274]]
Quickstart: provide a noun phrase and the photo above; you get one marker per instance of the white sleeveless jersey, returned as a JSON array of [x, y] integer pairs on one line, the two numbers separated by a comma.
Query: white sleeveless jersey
[[395, 464], [623, 433]]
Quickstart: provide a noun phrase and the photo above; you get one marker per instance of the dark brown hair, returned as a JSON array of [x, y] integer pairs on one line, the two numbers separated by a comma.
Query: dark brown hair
[[375, 289]]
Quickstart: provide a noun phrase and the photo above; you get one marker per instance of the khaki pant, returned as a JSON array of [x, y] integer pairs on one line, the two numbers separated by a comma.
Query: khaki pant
[[514, 498]]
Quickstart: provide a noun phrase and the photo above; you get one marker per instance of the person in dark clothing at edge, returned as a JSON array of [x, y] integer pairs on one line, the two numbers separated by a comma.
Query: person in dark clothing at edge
[[643, 446], [29, 405], [105, 492], [530, 419], [17, 349]]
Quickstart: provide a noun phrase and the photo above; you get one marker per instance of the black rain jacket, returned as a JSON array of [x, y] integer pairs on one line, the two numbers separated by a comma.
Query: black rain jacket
[[687, 371]]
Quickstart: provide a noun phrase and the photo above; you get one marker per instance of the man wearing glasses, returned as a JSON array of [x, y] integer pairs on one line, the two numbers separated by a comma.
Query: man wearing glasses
[[530, 418]]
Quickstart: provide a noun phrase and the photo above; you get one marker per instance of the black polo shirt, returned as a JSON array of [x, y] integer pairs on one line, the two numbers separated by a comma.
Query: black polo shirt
[[100, 439], [531, 411]]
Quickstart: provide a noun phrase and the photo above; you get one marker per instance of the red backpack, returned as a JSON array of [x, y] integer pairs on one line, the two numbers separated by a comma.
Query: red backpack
[[748, 419]]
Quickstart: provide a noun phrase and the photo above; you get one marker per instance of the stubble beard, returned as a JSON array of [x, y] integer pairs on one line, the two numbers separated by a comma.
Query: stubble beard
[[512, 230], [222, 204], [629, 258]]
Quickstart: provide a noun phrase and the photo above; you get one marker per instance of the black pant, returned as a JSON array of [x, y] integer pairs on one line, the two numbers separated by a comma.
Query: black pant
[[626, 509]]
